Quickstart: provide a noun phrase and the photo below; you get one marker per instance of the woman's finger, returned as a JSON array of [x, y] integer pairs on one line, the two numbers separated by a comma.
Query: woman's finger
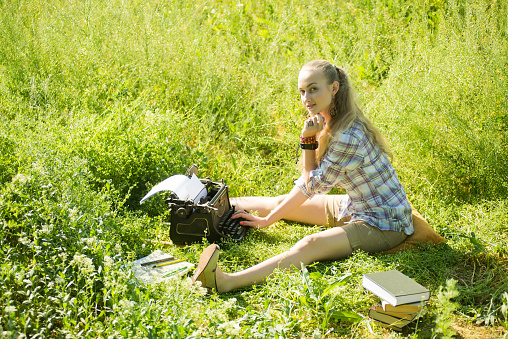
[[237, 214], [248, 223]]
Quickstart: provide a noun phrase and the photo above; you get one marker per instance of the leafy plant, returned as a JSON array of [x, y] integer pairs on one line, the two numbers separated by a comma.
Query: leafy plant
[[444, 318], [319, 300]]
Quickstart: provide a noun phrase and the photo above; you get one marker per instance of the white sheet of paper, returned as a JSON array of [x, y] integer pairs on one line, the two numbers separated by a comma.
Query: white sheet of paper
[[196, 189], [184, 187]]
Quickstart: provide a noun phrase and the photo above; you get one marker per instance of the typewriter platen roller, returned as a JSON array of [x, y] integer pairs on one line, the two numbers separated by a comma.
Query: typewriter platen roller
[[209, 218]]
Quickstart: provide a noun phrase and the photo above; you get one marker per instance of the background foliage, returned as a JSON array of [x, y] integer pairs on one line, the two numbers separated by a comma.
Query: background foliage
[[100, 100]]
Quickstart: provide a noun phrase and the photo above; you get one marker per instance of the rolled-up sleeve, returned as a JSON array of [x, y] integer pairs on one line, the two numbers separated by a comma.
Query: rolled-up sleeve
[[345, 155]]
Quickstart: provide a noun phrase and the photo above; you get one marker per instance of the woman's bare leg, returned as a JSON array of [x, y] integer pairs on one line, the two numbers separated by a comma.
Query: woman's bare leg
[[327, 245], [310, 212]]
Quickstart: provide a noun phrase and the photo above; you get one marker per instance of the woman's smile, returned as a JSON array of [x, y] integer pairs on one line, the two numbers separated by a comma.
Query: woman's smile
[[310, 106]]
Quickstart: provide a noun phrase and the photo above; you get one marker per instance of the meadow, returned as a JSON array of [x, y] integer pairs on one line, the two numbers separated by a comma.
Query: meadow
[[101, 100]]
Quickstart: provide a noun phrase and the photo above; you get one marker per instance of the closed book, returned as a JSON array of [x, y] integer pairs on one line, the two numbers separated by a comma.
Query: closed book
[[395, 287], [393, 327], [388, 319], [401, 315], [405, 308]]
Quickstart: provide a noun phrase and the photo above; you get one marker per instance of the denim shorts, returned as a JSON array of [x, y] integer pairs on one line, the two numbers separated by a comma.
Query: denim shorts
[[361, 235]]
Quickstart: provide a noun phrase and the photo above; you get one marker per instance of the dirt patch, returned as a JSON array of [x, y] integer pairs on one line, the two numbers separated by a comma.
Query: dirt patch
[[469, 331]]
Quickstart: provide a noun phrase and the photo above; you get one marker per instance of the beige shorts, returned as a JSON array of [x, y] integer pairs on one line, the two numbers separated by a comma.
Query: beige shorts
[[361, 235]]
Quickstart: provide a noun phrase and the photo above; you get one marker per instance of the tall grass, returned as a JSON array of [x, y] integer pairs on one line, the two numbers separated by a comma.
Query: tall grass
[[101, 100], [452, 107]]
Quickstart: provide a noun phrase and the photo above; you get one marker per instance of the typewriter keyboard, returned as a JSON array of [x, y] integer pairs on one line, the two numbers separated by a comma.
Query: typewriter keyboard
[[231, 228]]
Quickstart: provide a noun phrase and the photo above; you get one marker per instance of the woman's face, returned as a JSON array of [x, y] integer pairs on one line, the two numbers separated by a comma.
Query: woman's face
[[316, 93]]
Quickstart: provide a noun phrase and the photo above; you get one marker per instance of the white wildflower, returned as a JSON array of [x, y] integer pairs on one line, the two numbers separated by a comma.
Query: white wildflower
[[84, 263], [90, 241], [47, 228], [231, 328], [19, 276], [10, 309], [21, 179], [317, 334], [230, 303], [24, 241], [59, 280], [125, 306], [108, 261], [74, 214], [63, 256], [201, 290]]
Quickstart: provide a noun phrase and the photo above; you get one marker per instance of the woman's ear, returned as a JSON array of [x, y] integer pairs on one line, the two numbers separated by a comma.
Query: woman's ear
[[335, 87]]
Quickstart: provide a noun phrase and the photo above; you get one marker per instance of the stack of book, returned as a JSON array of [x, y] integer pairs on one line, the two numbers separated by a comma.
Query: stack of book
[[402, 298]]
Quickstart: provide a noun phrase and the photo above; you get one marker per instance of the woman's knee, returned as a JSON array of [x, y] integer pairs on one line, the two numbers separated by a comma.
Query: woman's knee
[[320, 246], [308, 242]]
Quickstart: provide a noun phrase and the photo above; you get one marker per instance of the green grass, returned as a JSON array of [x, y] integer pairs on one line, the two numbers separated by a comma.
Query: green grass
[[100, 100]]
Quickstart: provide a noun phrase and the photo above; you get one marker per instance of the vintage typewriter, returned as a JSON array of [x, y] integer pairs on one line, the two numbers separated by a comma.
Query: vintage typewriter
[[206, 214]]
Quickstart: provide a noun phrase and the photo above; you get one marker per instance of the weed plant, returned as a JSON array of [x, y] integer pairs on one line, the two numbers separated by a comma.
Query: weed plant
[[101, 100]]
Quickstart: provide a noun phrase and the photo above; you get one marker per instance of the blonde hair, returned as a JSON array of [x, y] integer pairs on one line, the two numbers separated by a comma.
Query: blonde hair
[[344, 110]]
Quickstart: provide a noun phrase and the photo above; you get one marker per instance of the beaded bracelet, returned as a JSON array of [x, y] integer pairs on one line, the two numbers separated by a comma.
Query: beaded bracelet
[[307, 140]]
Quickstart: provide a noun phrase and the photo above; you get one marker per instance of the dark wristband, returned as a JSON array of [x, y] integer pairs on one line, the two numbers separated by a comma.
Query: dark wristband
[[312, 146]]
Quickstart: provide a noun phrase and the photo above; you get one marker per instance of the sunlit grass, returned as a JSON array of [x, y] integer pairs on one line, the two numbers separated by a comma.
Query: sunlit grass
[[99, 101]]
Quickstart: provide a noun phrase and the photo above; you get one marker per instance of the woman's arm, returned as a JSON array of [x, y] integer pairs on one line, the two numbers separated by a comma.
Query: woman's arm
[[309, 163], [311, 127]]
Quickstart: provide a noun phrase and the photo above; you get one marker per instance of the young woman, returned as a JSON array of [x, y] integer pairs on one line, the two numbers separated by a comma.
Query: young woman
[[341, 148]]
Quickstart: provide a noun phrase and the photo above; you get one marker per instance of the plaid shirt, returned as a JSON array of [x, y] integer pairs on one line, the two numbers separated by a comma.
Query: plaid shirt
[[374, 192]]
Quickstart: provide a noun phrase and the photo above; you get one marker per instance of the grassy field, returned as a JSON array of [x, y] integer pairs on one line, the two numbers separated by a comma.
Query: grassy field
[[101, 100]]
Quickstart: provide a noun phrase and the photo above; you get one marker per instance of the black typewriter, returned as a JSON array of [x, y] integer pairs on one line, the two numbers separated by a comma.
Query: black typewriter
[[209, 218]]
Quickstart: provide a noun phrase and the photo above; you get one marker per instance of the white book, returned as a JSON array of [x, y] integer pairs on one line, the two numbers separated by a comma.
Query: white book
[[395, 288]]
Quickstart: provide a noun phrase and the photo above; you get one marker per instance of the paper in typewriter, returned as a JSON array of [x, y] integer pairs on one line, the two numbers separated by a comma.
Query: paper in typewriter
[[184, 187]]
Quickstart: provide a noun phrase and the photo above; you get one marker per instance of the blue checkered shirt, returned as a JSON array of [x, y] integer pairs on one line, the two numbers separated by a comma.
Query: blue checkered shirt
[[374, 192]]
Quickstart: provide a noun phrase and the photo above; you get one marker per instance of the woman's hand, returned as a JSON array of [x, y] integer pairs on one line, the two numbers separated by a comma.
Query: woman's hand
[[250, 220], [313, 125]]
